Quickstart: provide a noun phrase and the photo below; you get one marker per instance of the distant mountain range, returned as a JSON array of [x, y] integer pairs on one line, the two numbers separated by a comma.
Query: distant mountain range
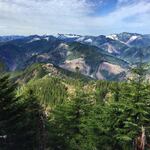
[[100, 57]]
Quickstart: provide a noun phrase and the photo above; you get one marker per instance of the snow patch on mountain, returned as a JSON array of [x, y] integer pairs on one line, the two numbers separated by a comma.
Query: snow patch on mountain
[[133, 38], [63, 46], [46, 38], [88, 41], [80, 39], [64, 36], [34, 39], [112, 36]]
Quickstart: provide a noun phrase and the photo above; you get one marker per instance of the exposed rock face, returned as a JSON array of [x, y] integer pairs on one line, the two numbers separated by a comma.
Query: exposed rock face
[[72, 65], [113, 69], [110, 69]]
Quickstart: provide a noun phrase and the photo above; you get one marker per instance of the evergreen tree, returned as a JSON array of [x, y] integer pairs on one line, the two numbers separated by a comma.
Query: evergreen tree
[[102, 89], [21, 121], [131, 113], [115, 90], [11, 111], [2, 67], [34, 125], [49, 91], [71, 126]]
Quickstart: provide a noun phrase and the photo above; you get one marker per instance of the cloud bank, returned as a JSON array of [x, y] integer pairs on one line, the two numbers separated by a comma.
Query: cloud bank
[[73, 16]]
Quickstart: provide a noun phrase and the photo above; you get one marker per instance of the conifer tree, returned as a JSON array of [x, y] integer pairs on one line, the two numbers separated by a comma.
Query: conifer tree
[[102, 89], [131, 113], [35, 120], [70, 126], [11, 111], [21, 120]]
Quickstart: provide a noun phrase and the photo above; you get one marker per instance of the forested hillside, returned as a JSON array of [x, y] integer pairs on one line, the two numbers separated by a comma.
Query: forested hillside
[[74, 74], [47, 108], [99, 57], [51, 98]]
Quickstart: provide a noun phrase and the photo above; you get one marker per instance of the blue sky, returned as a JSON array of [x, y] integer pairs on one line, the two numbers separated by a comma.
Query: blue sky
[[86, 17]]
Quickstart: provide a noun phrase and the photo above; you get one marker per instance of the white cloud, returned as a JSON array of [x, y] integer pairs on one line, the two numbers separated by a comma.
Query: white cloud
[[71, 16], [132, 17], [49, 16], [123, 2]]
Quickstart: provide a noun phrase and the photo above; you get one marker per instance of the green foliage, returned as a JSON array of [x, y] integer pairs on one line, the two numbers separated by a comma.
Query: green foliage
[[71, 126], [47, 90], [130, 110], [9, 113], [34, 123], [3, 67], [98, 115], [102, 90], [35, 71], [92, 55], [40, 70], [20, 119]]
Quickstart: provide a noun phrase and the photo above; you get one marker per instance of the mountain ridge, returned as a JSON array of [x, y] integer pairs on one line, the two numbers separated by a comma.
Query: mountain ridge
[[100, 57]]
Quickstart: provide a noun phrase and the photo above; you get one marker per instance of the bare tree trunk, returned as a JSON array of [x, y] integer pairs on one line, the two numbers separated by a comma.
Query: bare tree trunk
[[141, 140], [41, 135]]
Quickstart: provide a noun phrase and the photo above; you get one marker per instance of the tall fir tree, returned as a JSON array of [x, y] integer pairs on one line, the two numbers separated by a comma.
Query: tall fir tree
[[11, 112], [70, 126], [34, 125], [131, 112], [21, 120]]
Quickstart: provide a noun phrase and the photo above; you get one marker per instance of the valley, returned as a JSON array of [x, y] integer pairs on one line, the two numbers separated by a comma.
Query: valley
[[89, 53], [73, 92]]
